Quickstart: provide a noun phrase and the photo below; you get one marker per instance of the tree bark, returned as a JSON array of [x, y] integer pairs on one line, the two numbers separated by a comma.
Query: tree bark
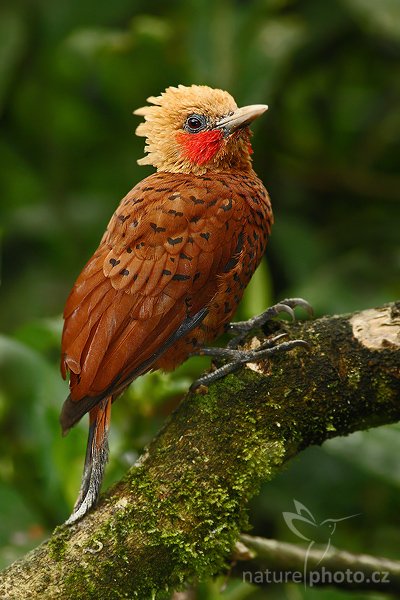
[[177, 514]]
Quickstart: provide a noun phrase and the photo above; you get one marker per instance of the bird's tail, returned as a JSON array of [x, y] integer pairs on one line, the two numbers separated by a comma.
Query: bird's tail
[[96, 459]]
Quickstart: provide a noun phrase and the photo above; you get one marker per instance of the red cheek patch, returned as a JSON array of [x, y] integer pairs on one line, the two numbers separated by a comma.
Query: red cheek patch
[[200, 147]]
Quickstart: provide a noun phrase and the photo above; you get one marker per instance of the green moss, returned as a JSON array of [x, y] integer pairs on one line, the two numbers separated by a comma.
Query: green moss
[[82, 583], [353, 377], [216, 509], [383, 389], [199, 552], [57, 544]]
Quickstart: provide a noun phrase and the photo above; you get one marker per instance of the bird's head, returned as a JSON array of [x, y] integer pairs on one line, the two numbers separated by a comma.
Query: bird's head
[[195, 129]]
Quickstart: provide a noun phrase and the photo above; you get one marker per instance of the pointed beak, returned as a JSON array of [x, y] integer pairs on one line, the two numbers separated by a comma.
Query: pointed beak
[[241, 118]]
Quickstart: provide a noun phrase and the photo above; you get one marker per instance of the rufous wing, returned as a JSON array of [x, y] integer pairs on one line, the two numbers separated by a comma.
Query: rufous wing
[[157, 265]]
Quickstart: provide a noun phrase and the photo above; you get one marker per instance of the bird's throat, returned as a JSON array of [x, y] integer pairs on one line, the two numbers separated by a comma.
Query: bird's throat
[[201, 147]]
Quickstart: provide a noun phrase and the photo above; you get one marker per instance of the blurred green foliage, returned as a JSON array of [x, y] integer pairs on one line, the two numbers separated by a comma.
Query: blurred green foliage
[[328, 150]]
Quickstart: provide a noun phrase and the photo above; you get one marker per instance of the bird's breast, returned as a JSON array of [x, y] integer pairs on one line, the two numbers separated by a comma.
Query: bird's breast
[[250, 224]]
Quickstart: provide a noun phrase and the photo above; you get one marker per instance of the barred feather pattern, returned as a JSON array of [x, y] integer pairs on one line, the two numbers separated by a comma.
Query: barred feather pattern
[[177, 243]]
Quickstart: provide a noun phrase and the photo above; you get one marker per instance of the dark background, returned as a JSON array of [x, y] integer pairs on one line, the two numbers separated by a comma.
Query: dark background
[[71, 73]]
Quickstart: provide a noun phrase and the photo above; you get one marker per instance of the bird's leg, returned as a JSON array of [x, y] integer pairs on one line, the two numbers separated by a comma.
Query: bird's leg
[[236, 357]]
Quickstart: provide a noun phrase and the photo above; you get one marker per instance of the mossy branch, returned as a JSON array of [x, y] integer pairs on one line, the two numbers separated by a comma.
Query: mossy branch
[[176, 516]]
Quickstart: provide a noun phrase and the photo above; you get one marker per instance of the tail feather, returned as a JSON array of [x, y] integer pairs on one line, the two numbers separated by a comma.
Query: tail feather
[[95, 461], [73, 410]]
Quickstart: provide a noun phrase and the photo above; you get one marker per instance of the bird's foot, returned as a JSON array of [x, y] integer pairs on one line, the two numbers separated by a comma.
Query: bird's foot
[[237, 358], [240, 329]]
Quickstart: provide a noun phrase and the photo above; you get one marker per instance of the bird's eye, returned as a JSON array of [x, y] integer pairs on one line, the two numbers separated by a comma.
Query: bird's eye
[[195, 123]]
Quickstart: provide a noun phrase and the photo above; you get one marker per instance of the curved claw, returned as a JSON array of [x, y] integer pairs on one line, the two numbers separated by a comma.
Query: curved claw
[[286, 308], [301, 343], [272, 341], [295, 302], [284, 346]]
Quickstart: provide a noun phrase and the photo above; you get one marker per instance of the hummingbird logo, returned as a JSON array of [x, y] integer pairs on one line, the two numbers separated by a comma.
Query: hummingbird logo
[[305, 526]]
